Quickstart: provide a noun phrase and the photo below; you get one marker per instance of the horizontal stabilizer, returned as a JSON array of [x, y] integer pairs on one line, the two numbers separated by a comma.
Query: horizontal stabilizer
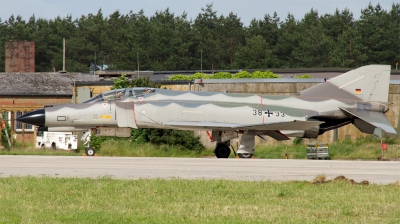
[[287, 125], [376, 119]]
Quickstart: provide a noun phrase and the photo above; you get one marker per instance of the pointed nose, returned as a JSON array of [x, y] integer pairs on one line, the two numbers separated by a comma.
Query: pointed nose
[[36, 117]]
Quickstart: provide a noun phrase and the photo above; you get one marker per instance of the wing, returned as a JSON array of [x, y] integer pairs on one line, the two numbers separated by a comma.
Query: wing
[[287, 125], [271, 129]]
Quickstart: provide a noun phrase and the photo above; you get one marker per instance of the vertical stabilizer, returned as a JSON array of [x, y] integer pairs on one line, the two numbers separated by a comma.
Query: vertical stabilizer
[[367, 83]]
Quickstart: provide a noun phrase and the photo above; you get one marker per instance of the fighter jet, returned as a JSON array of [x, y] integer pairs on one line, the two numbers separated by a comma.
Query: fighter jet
[[358, 97]]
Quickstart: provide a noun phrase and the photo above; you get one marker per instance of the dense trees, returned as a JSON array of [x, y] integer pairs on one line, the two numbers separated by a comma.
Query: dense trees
[[165, 41]]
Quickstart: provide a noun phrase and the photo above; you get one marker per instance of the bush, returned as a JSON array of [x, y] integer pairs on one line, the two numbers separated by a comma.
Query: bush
[[179, 77], [199, 75], [185, 140], [305, 76], [242, 75], [264, 75], [226, 75], [4, 141], [221, 75], [97, 141], [298, 141]]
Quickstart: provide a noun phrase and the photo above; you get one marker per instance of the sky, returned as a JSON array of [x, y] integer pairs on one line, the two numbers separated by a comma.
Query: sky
[[245, 9]]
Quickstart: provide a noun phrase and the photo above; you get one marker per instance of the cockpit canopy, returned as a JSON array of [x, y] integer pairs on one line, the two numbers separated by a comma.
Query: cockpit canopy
[[118, 94]]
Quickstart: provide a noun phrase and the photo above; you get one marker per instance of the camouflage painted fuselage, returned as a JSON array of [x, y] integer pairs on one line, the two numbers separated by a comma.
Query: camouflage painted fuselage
[[199, 111], [358, 97]]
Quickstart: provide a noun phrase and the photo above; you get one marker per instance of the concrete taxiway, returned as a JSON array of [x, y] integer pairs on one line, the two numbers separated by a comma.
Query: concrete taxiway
[[196, 168]]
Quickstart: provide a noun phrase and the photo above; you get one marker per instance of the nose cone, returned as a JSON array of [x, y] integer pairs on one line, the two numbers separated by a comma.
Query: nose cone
[[36, 117]]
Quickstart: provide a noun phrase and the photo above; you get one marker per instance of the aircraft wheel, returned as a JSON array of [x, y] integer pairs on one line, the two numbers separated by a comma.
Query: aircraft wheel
[[245, 155], [89, 151], [222, 151]]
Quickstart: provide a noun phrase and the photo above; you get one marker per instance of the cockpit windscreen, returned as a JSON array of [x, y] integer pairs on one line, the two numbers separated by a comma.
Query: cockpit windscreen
[[107, 96]]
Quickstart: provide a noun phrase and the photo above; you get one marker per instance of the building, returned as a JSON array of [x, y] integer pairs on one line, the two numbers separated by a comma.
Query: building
[[23, 92], [20, 56]]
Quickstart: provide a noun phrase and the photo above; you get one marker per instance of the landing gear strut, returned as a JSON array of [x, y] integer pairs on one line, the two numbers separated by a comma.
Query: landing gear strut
[[222, 150], [88, 150]]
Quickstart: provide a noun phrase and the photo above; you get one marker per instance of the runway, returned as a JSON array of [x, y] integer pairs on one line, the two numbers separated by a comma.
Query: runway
[[198, 168]]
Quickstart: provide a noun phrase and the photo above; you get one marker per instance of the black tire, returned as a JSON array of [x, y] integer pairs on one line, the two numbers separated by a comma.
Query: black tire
[[245, 155], [89, 151], [222, 151]]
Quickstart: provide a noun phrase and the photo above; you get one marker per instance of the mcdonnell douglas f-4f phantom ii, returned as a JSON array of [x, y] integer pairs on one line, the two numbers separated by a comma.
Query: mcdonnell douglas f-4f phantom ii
[[358, 97]]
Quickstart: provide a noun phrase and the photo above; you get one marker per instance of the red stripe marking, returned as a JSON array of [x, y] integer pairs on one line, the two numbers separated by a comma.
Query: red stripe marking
[[134, 113], [209, 136], [262, 106]]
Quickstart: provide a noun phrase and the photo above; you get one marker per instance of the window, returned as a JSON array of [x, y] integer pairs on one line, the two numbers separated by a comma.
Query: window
[[18, 125]]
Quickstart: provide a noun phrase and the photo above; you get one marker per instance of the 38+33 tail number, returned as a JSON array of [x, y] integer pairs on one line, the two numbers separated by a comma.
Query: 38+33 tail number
[[269, 113]]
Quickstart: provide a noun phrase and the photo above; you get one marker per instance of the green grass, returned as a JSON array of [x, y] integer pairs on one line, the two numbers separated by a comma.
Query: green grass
[[39, 151], [278, 151], [125, 148], [360, 149], [106, 200]]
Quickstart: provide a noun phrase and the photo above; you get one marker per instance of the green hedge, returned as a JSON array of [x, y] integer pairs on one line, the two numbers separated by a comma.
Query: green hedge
[[226, 75]]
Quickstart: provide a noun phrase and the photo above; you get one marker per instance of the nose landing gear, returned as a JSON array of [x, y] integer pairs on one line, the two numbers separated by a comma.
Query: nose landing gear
[[89, 151]]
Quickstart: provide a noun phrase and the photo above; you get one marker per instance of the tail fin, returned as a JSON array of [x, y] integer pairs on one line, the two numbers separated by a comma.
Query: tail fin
[[367, 83]]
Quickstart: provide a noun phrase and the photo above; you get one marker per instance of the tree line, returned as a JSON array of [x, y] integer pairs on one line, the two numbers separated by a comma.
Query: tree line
[[164, 41]]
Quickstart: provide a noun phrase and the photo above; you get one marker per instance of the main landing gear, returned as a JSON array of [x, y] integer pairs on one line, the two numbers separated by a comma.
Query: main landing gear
[[245, 151], [222, 150]]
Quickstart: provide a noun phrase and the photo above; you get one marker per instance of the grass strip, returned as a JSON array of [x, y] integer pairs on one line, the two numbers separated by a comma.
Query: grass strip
[[107, 200], [361, 149]]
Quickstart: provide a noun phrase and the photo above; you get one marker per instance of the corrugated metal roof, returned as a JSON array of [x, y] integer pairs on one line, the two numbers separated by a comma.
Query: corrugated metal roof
[[39, 83]]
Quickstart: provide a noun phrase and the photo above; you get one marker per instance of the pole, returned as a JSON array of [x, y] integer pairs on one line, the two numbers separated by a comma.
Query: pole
[[1, 128], [23, 134], [94, 68], [74, 93], [63, 54], [137, 56], [10, 141], [201, 60]]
